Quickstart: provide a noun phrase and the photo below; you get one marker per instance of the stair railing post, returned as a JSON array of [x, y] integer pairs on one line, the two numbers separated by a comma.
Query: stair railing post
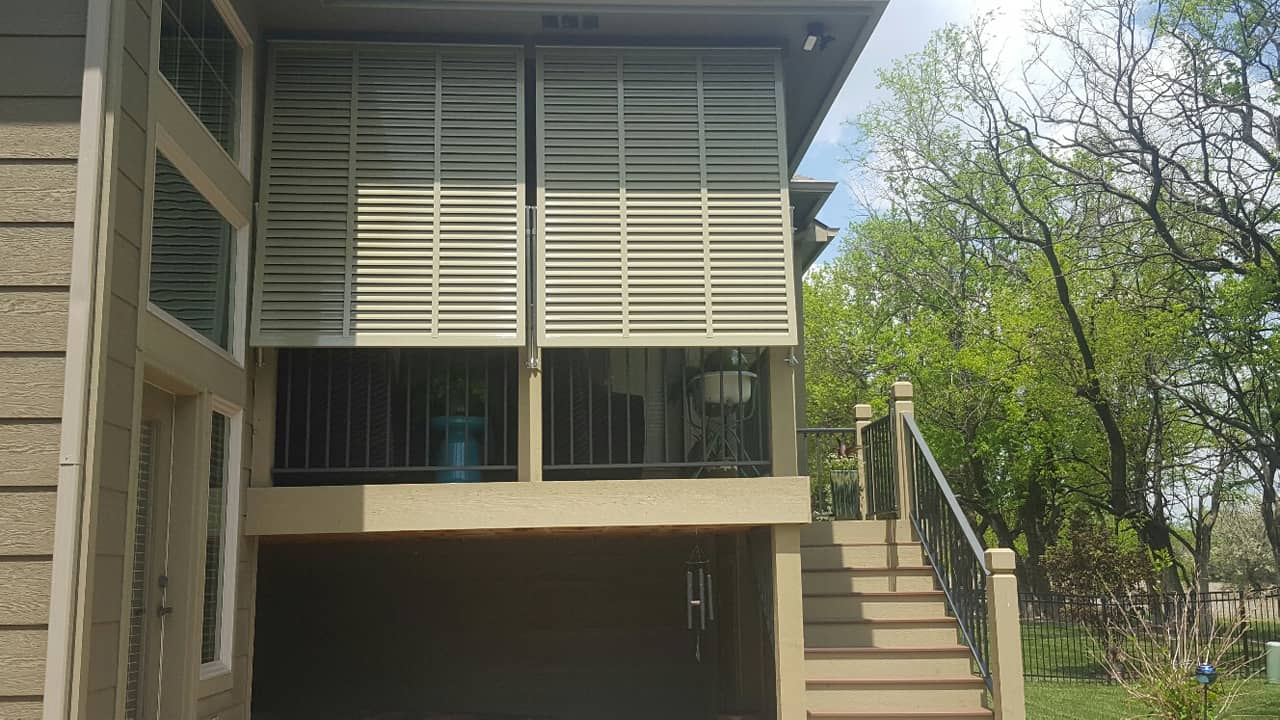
[[901, 404], [861, 419], [1005, 636]]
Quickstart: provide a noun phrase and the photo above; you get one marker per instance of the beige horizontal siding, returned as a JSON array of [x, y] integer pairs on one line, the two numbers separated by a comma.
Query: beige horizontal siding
[[39, 128], [25, 600], [52, 66], [42, 50], [22, 657], [35, 254], [27, 519], [34, 320], [37, 192], [45, 18], [29, 454], [19, 709], [30, 387]]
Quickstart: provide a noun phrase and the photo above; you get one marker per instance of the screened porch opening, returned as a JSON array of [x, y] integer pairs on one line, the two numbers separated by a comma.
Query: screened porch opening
[[373, 415], [366, 416], [532, 625], [655, 413]]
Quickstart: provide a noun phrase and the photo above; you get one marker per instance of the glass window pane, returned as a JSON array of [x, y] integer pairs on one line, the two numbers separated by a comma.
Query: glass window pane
[[201, 60], [215, 542], [191, 256]]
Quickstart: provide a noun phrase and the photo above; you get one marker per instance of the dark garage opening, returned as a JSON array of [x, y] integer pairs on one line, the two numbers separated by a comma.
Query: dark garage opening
[[562, 626]]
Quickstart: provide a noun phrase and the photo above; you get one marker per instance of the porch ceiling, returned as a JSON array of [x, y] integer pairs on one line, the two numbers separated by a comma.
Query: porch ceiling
[[812, 78]]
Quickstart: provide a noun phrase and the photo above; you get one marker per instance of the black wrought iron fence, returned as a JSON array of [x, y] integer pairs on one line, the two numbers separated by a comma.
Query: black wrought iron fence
[[951, 545], [831, 460], [882, 484], [1081, 637]]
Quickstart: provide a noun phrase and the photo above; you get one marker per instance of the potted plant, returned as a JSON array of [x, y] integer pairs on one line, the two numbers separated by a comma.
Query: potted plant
[[458, 421]]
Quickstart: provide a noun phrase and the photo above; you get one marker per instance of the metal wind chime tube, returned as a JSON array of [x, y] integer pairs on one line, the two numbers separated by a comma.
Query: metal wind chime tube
[[699, 597]]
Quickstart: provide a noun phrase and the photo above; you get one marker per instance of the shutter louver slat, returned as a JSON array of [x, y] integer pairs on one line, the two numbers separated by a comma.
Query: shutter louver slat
[[664, 214], [393, 280], [662, 104], [750, 270], [393, 197], [480, 273], [582, 272], [303, 257]]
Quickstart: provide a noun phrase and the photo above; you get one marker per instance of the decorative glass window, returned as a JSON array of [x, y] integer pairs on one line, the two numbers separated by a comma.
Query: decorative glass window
[[191, 257], [215, 569], [200, 58]]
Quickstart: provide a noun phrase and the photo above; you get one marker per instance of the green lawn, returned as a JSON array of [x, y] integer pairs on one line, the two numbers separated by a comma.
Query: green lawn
[[1093, 701], [1059, 651]]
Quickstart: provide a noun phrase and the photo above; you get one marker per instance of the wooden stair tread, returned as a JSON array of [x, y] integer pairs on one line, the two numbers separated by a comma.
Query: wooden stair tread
[[881, 621], [969, 680], [881, 594], [904, 715], [871, 543], [878, 569], [957, 649]]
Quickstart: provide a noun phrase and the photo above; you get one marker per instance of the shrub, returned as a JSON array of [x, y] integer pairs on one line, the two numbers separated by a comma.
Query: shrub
[[1154, 651]]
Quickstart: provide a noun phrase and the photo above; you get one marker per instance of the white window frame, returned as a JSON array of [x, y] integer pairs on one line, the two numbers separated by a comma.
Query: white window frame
[[243, 157], [238, 273], [177, 130], [228, 573], [224, 180]]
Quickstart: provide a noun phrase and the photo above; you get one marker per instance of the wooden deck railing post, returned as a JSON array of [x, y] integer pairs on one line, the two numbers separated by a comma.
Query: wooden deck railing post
[[782, 412], [901, 403], [529, 418], [1005, 636], [861, 419], [788, 623]]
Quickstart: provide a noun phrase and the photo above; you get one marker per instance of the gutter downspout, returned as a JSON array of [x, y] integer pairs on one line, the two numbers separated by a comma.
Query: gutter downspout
[[65, 590]]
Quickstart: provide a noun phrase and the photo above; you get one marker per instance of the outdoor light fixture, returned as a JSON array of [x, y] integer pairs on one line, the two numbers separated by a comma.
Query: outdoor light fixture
[[1205, 675], [816, 37]]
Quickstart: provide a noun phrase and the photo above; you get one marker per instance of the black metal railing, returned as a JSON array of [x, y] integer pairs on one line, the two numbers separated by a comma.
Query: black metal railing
[[882, 481], [830, 456], [950, 543], [654, 412], [372, 415], [1086, 637]]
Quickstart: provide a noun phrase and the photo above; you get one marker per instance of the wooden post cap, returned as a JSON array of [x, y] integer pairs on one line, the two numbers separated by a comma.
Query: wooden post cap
[[862, 411], [1001, 560], [902, 390]]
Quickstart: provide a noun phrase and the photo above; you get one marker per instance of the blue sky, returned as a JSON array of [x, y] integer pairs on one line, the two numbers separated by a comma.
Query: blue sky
[[904, 28]]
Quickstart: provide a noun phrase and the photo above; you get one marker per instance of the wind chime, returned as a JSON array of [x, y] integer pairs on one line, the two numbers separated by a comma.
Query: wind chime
[[700, 596]]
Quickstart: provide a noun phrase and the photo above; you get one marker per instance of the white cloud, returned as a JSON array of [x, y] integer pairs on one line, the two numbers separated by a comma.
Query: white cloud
[[904, 28]]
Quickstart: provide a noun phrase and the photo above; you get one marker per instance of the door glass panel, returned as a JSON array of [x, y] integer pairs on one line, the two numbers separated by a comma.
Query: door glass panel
[[138, 570], [215, 541]]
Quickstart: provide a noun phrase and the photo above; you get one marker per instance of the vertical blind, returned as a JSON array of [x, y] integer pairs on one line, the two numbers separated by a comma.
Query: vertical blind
[[663, 208], [393, 193]]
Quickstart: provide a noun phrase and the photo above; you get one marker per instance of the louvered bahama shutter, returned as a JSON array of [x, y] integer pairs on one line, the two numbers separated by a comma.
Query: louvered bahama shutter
[[663, 206], [393, 197]]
